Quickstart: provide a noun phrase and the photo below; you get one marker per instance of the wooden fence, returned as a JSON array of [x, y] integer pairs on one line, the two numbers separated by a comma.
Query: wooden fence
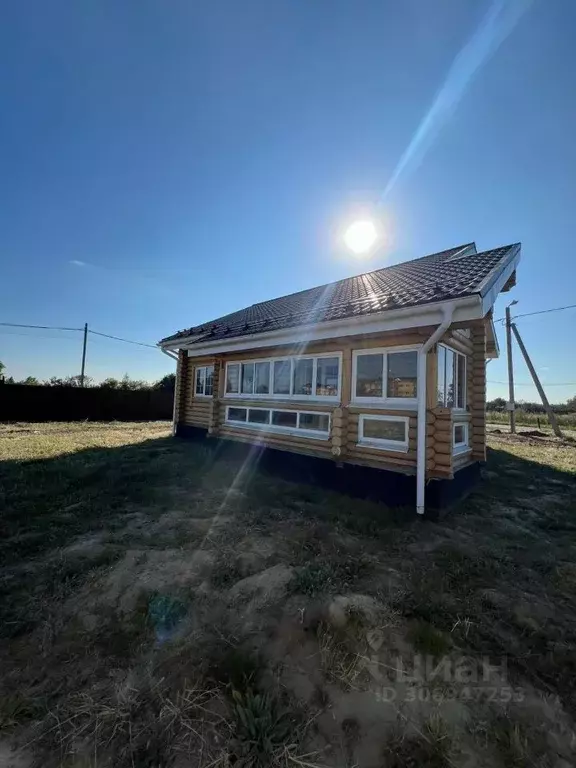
[[20, 402]]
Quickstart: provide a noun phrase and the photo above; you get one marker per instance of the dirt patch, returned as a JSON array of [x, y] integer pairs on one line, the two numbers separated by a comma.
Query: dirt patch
[[269, 586], [154, 571]]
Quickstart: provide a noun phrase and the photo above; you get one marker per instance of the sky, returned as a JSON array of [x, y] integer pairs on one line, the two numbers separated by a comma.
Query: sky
[[162, 164]]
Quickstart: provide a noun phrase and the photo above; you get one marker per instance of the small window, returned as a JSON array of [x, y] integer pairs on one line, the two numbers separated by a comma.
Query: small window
[[327, 376], [451, 387], [200, 379], [402, 374], [449, 378], [460, 441], [233, 378], [205, 380], [247, 378], [281, 379], [389, 433], [262, 378], [317, 422], [285, 419], [258, 416], [369, 375], [303, 374], [460, 381], [237, 414]]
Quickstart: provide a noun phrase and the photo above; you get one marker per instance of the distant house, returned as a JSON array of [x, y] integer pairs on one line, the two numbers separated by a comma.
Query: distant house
[[385, 371]]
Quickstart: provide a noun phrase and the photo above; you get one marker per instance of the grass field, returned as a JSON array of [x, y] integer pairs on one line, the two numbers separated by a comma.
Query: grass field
[[163, 606], [534, 420]]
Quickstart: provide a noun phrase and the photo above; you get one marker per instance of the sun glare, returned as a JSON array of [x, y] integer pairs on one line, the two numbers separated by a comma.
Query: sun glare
[[361, 236]]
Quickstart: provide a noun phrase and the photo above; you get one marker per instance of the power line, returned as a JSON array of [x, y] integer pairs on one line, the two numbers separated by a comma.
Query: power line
[[540, 312], [60, 328], [42, 327], [127, 341], [530, 384], [37, 336]]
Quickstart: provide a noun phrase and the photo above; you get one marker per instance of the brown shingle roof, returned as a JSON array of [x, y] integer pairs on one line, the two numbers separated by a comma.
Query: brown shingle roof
[[449, 274]]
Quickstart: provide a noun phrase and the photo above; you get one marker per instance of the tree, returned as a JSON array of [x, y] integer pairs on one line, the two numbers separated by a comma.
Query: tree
[[132, 384], [31, 381], [571, 403], [166, 382], [69, 381], [498, 404], [2, 367], [110, 383]]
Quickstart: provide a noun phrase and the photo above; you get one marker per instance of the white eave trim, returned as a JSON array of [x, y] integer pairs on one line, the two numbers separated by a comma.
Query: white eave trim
[[468, 308], [493, 284]]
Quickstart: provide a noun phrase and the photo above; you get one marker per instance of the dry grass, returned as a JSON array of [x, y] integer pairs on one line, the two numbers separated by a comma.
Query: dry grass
[[125, 641]]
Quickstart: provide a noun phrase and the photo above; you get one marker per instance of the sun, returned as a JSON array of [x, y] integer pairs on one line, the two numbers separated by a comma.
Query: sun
[[361, 236]]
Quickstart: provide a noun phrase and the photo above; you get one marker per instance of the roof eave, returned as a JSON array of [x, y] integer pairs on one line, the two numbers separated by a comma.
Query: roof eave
[[495, 281], [467, 308]]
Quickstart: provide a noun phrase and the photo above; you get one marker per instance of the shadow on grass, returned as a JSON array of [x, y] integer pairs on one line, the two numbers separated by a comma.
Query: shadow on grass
[[48, 503]]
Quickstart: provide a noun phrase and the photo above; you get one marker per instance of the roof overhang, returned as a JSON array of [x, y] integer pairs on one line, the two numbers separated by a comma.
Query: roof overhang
[[497, 279], [492, 345], [465, 309]]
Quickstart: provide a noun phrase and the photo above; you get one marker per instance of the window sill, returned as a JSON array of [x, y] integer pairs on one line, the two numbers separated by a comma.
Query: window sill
[[204, 397], [283, 398], [279, 430], [386, 405], [382, 446], [458, 450]]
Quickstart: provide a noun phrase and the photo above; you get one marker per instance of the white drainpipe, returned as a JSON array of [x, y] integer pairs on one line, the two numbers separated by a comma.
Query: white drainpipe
[[174, 357], [448, 311]]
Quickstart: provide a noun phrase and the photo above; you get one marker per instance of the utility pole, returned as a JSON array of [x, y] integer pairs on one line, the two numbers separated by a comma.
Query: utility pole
[[511, 401], [545, 403], [84, 354]]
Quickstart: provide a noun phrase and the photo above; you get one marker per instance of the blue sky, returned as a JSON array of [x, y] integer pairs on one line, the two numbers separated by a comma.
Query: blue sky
[[162, 164]]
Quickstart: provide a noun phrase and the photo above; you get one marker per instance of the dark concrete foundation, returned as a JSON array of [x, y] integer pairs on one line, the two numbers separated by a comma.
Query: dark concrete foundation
[[395, 489]]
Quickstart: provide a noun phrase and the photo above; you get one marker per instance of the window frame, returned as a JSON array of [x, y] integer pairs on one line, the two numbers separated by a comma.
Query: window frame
[[455, 408], [203, 368], [316, 434], [401, 403], [464, 447], [382, 444], [291, 396]]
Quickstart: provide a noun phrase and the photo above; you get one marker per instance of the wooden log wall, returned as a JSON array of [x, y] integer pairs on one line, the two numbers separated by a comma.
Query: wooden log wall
[[439, 442], [197, 409], [363, 454], [477, 392], [179, 385], [342, 445]]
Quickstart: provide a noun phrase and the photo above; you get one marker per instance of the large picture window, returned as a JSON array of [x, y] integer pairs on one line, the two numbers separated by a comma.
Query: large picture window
[[298, 378], [306, 423], [451, 387], [386, 375], [205, 381]]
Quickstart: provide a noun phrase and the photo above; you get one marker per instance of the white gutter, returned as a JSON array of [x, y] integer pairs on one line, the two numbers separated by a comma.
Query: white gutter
[[448, 312], [174, 357], [465, 309]]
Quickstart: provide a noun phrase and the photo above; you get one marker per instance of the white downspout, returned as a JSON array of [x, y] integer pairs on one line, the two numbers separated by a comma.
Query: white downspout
[[174, 357], [448, 311]]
